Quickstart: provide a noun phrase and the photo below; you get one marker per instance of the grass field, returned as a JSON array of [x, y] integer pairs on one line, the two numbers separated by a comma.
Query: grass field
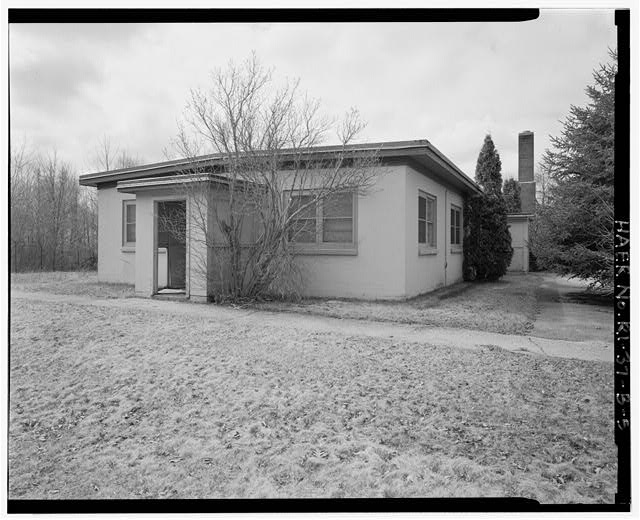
[[507, 306], [113, 404]]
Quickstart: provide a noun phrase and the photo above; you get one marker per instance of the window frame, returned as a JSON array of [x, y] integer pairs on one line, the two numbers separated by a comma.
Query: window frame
[[456, 246], [126, 244], [426, 247], [319, 247]]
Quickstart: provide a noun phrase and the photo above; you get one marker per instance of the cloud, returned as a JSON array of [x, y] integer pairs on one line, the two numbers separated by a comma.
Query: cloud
[[52, 64], [69, 35], [449, 83], [52, 81]]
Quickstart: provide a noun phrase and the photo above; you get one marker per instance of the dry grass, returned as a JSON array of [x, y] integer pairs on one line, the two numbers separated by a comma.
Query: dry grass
[[107, 404], [73, 282], [507, 306]]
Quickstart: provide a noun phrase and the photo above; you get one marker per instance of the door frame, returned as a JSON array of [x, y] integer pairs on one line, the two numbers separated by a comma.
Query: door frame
[[156, 201]]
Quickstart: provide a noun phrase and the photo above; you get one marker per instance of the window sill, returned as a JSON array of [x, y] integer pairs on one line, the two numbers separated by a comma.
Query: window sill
[[128, 249], [456, 250], [325, 250], [426, 251]]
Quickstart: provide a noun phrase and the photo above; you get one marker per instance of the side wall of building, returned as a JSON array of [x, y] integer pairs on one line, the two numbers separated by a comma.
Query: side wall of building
[[116, 263], [429, 268], [377, 270]]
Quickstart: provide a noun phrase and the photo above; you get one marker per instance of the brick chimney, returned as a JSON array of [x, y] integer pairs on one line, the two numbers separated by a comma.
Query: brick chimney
[[525, 171]]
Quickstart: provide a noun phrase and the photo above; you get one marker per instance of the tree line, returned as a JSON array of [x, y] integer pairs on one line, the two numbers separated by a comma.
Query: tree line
[[54, 220], [571, 232]]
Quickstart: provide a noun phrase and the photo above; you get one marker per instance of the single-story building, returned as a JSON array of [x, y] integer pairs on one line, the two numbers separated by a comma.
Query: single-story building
[[402, 238]]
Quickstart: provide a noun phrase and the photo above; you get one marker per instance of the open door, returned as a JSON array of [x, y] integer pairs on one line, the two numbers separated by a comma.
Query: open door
[[171, 245]]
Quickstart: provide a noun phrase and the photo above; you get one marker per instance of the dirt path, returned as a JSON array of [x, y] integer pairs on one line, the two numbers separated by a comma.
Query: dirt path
[[597, 349], [561, 317]]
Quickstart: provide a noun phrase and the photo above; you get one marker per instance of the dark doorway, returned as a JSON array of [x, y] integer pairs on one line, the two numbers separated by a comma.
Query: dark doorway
[[171, 251]]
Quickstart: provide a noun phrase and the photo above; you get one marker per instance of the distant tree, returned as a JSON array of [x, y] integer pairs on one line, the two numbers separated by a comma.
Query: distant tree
[[488, 168], [543, 182], [511, 193], [573, 232], [110, 157], [487, 251], [52, 220], [20, 193]]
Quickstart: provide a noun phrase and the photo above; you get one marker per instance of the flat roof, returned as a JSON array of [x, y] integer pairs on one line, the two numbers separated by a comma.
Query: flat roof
[[420, 150]]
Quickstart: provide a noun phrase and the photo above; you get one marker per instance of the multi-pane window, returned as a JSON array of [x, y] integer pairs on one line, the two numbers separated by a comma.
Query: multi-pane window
[[327, 221], [129, 223], [427, 219], [456, 224]]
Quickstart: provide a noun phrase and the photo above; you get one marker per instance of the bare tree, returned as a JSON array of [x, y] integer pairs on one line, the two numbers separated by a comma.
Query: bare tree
[[20, 192], [59, 195], [264, 174], [543, 183], [109, 156]]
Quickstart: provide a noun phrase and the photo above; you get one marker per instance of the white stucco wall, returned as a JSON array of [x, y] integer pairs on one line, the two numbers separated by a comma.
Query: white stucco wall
[[426, 272], [116, 264], [519, 229], [377, 270], [144, 244]]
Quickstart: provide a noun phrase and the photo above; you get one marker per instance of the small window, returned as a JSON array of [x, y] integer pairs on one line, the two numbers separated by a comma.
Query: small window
[[456, 225], [427, 219], [129, 223]]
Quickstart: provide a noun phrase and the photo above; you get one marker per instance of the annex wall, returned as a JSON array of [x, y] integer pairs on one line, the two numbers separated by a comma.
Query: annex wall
[[116, 263], [146, 267]]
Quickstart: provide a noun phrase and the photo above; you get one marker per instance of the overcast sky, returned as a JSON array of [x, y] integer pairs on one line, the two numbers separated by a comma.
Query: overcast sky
[[450, 83]]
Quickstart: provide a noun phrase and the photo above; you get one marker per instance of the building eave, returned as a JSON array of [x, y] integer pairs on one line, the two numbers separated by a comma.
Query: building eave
[[398, 149]]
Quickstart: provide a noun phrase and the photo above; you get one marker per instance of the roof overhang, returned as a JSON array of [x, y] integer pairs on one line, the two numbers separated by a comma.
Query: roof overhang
[[421, 151], [439, 165], [167, 182], [519, 216]]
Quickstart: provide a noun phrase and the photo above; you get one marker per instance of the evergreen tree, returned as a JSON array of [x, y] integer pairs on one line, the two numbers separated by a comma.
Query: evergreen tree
[[487, 241], [487, 251], [511, 193], [573, 231], [488, 168]]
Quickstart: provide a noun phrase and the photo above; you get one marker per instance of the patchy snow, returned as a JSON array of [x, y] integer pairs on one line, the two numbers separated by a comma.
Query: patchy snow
[[507, 306]]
